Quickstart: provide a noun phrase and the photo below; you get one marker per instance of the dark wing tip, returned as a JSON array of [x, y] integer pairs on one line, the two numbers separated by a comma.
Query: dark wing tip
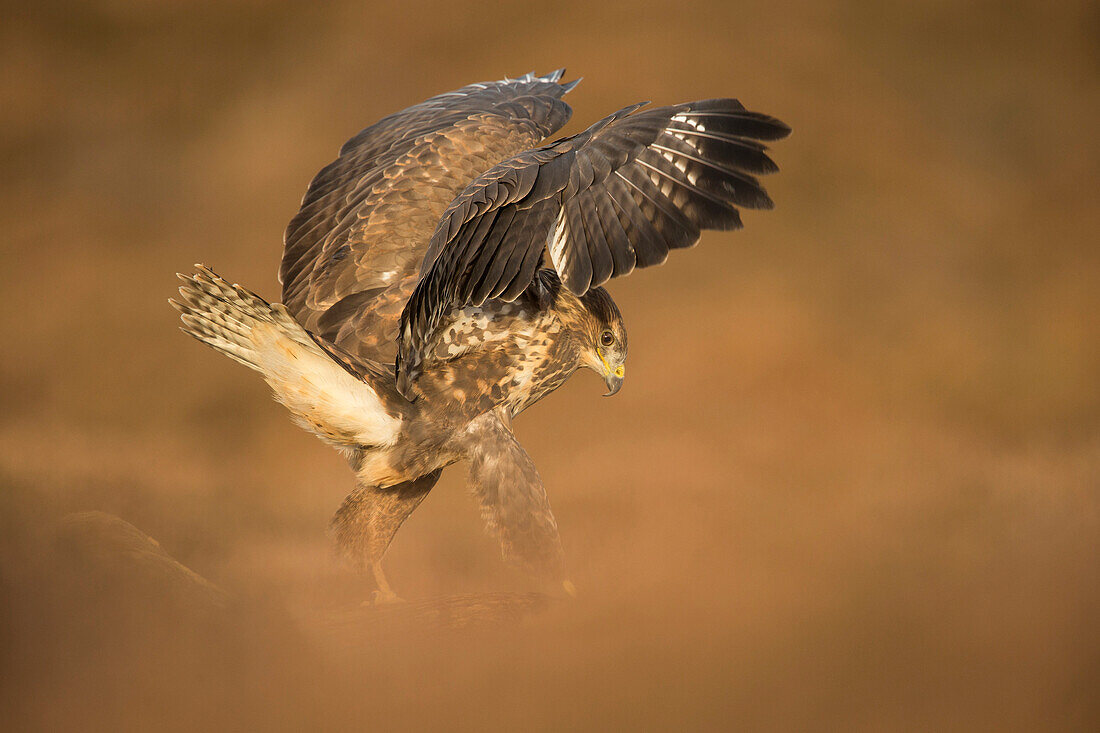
[[766, 127], [779, 129]]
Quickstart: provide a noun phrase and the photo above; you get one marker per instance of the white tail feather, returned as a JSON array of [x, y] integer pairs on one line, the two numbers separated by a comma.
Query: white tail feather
[[321, 395]]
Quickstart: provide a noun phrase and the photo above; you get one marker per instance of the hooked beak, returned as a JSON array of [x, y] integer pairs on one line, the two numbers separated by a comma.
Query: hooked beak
[[614, 381]]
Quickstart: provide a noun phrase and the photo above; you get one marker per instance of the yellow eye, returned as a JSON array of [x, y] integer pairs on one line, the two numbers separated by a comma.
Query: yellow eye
[[607, 338]]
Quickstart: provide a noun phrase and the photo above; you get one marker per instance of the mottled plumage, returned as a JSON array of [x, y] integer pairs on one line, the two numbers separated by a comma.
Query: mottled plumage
[[353, 252], [443, 275]]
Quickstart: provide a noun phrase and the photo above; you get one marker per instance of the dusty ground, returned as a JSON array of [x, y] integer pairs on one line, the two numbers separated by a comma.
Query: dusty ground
[[853, 479]]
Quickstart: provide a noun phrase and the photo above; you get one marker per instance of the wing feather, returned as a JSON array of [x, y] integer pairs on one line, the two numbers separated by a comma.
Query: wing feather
[[353, 252], [618, 241], [617, 196]]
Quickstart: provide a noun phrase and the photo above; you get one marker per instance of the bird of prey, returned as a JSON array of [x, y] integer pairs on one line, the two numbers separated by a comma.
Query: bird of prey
[[444, 274]]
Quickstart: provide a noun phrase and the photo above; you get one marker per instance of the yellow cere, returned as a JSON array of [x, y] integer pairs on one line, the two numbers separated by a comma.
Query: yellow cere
[[606, 366], [619, 370]]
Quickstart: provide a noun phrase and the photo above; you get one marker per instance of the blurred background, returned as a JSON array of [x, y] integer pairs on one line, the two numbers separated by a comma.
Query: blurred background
[[852, 481]]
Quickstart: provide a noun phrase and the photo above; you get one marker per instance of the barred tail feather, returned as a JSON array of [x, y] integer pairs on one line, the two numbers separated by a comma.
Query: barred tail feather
[[323, 396], [224, 316]]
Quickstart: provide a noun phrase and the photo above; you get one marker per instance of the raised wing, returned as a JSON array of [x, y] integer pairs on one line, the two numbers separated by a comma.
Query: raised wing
[[353, 252], [619, 195]]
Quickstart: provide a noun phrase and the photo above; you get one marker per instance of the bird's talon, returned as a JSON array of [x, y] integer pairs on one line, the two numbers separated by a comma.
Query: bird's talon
[[384, 598]]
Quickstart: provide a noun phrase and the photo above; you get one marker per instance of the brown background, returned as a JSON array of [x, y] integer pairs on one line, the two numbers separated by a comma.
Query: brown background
[[851, 482]]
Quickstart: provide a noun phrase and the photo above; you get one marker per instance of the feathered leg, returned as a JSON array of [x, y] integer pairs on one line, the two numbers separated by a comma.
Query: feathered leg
[[512, 498], [366, 522]]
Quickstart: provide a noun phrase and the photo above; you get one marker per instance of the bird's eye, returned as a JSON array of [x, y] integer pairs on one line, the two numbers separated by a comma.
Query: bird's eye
[[607, 338]]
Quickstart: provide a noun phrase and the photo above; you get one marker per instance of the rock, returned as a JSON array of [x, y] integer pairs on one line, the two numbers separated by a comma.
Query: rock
[[115, 561]]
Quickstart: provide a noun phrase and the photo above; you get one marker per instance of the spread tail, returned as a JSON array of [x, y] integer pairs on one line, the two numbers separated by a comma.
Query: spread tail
[[322, 395]]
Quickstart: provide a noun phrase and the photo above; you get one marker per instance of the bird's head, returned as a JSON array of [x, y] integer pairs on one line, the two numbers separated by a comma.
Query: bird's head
[[603, 339]]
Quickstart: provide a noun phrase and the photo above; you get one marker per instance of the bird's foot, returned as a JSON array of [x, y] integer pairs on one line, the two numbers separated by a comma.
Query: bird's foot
[[385, 598]]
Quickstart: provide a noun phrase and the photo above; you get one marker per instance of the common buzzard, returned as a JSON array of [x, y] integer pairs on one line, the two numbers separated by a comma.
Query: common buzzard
[[444, 272]]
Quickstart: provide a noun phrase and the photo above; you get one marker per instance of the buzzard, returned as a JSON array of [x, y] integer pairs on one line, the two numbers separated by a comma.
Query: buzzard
[[443, 274]]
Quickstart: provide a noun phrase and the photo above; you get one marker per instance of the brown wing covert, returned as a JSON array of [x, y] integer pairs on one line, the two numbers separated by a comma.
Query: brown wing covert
[[353, 252]]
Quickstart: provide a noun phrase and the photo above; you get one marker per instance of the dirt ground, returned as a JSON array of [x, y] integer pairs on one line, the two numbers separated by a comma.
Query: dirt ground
[[852, 481]]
